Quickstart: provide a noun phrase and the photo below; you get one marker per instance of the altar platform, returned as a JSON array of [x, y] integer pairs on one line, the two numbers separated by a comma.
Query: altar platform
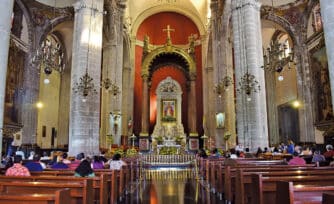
[[152, 160]]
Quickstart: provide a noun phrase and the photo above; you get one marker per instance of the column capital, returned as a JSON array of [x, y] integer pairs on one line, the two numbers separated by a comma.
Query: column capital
[[94, 5], [193, 76], [236, 5]]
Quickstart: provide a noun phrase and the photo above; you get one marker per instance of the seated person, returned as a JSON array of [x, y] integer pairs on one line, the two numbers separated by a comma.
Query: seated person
[[84, 169], [317, 157], [74, 164], [97, 163], [35, 164], [17, 169], [116, 162], [296, 160], [59, 164]]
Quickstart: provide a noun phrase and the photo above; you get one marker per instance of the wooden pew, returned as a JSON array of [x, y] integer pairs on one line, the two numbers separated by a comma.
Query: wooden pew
[[327, 198], [264, 188], [100, 187], [59, 197], [289, 193], [80, 192], [243, 181], [113, 180], [252, 165]]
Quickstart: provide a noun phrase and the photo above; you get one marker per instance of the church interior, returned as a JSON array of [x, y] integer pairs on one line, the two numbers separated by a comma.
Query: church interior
[[165, 80]]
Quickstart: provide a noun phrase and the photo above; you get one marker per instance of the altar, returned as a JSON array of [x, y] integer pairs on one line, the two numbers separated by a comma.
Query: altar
[[168, 133]]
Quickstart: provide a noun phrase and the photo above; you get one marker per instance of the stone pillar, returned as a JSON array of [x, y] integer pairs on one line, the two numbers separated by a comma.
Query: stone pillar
[[87, 48], [143, 141], [192, 107], [5, 26], [252, 125], [145, 110], [327, 14]]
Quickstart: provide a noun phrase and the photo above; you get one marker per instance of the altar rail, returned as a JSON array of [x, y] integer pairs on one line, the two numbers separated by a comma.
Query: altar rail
[[167, 160]]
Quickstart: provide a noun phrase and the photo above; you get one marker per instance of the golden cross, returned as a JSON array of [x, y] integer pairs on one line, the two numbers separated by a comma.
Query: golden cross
[[168, 29]]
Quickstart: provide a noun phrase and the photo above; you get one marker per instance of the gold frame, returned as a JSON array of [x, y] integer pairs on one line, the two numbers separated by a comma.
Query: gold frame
[[167, 118], [220, 120]]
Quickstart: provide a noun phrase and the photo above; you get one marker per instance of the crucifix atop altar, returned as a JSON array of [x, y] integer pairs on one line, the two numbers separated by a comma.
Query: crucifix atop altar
[[168, 30]]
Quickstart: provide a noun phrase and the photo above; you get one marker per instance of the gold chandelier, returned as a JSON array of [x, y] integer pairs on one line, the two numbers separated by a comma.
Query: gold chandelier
[[277, 55], [49, 56]]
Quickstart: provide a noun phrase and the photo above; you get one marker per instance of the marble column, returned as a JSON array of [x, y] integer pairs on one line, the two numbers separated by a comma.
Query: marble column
[[252, 125], [87, 51], [327, 14], [5, 26]]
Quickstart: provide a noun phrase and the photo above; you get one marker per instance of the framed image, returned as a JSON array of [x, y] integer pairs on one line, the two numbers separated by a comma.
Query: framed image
[[220, 120], [144, 144], [168, 110], [193, 144]]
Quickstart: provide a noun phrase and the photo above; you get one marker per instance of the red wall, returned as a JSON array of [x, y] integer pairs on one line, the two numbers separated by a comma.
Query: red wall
[[153, 27]]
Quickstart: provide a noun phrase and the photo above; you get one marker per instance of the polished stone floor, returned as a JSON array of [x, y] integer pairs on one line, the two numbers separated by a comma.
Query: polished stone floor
[[170, 186]]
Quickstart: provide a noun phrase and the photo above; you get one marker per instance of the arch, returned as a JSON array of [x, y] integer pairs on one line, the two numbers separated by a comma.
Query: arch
[[171, 8], [284, 24], [167, 50]]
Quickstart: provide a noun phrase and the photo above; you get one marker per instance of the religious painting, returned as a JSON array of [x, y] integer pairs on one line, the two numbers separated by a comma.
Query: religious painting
[[144, 144], [220, 120], [322, 95], [168, 110], [193, 144]]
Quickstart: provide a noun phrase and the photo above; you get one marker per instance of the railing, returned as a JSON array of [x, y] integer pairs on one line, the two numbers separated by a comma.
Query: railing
[[167, 160]]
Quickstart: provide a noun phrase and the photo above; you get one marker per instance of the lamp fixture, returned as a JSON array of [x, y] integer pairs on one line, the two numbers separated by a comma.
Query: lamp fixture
[[49, 56], [86, 85], [277, 55], [248, 84], [225, 83]]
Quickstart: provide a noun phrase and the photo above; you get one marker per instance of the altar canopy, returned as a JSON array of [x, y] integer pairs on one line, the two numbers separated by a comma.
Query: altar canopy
[[169, 129]]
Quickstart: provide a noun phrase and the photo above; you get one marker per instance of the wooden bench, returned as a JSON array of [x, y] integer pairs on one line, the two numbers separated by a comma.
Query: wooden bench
[[59, 197], [289, 193], [243, 181], [327, 198], [229, 175], [264, 188], [80, 192], [112, 178], [100, 187]]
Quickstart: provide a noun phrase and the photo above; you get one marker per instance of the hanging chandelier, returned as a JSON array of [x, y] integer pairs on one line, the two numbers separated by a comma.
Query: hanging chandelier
[[111, 86], [85, 86], [49, 56], [248, 84], [223, 85], [277, 55]]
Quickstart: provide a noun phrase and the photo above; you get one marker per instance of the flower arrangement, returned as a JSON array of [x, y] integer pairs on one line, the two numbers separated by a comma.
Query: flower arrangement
[[118, 151], [131, 152], [159, 139], [168, 119], [168, 151], [178, 139]]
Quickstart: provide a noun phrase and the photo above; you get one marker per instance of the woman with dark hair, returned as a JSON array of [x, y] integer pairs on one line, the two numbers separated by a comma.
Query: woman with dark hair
[[97, 163], [84, 169]]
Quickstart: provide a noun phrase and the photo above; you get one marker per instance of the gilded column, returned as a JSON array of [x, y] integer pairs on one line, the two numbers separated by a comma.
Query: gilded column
[[5, 26]]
